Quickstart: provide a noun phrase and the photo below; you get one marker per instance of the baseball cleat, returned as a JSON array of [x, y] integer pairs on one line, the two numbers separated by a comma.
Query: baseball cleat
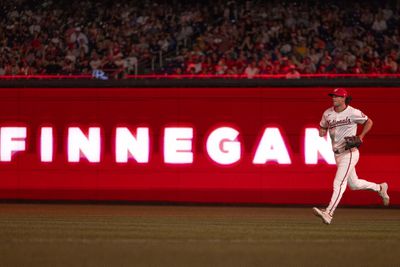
[[383, 193], [326, 218]]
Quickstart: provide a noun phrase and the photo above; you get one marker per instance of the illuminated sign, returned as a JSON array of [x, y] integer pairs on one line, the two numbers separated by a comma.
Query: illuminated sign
[[223, 145], [215, 145]]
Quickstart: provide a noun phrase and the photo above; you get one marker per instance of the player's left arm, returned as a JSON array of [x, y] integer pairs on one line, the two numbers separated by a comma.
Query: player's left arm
[[366, 128], [359, 117]]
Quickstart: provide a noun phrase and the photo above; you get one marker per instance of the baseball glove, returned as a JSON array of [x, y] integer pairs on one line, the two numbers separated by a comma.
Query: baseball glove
[[352, 141]]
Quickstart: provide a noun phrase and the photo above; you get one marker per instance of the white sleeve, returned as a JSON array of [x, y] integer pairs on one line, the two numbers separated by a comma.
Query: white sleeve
[[358, 117], [323, 123]]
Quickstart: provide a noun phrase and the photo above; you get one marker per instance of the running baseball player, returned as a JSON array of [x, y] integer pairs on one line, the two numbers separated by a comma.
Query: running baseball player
[[341, 122]]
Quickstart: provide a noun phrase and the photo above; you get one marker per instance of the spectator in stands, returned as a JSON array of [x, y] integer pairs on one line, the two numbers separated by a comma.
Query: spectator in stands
[[251, 70], [293, 73], [213, 37]]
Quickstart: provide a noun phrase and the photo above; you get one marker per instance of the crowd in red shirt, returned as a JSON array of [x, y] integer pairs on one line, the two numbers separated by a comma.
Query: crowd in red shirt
[[204, 37]]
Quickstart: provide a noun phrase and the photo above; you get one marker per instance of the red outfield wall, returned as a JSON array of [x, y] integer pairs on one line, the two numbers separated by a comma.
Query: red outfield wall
[[248, 110]]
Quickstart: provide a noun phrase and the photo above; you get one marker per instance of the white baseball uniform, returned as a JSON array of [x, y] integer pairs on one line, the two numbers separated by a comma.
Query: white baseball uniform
[[340, 125]]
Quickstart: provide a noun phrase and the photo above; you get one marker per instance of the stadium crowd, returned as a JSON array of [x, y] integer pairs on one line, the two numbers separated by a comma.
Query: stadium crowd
[[202, 37]]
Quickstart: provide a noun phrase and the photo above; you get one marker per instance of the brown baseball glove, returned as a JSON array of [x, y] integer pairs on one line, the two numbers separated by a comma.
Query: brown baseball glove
[[352, 141]]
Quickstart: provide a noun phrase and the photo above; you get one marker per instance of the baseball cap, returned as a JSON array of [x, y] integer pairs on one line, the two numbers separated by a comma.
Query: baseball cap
[[339, 92]]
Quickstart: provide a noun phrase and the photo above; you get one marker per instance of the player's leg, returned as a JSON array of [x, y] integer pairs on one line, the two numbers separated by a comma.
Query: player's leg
[[359, 184], [345, 165]]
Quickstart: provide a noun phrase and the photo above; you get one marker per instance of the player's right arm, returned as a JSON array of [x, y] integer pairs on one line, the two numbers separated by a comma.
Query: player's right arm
[[323, 126], [322, 131]]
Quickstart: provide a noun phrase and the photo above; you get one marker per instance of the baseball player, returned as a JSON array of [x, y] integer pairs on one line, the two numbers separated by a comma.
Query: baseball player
[[341, 122]]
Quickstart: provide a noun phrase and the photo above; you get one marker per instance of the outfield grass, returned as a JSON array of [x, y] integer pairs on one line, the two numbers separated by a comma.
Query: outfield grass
[[134, 235]]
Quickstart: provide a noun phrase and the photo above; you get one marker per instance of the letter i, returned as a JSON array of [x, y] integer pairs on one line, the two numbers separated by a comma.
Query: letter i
[[46, 144]]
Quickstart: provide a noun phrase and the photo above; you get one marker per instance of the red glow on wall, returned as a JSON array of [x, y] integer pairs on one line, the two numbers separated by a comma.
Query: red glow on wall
[[253, 145]]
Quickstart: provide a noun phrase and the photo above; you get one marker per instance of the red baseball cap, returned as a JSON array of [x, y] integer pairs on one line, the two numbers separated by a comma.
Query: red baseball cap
[[339, 92]]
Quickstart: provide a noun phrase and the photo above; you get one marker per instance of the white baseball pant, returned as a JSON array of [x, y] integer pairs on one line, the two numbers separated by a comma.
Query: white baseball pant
[[346, 174]]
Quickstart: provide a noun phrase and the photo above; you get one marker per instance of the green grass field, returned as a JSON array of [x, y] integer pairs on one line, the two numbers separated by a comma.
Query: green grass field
[[150, 235]]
